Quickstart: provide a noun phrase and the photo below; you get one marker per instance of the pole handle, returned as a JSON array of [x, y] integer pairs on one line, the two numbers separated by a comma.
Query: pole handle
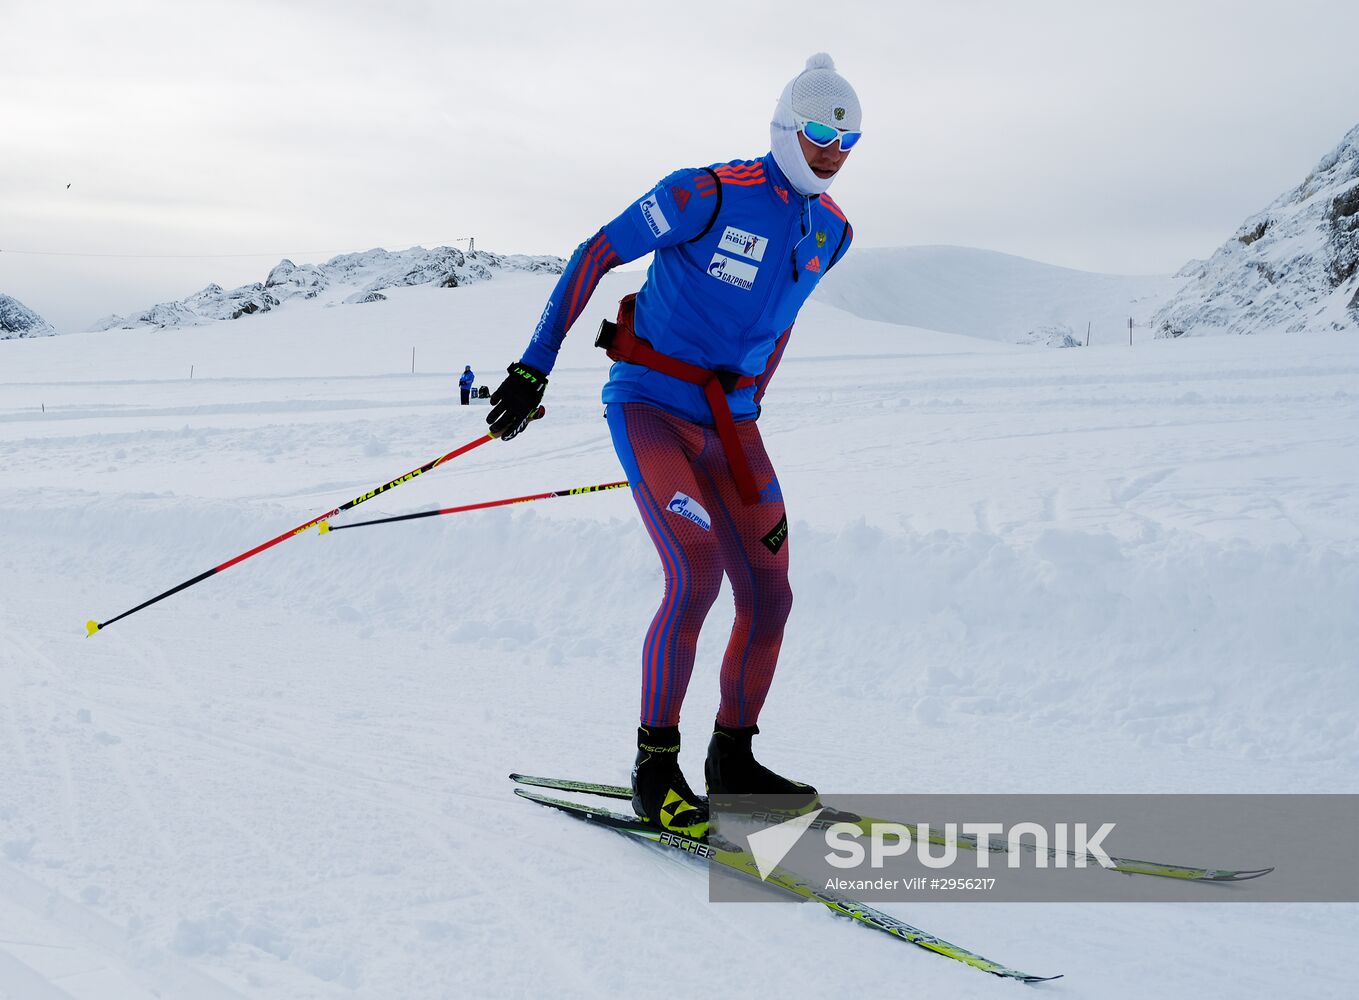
[[538, 414]]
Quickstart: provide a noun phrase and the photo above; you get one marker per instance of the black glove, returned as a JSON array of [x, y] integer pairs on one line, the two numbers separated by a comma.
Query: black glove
[[515, 402]]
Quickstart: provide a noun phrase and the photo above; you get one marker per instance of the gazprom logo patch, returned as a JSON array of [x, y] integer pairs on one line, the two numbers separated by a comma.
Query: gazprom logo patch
[[655, 218], [733, 271], [689, 508]]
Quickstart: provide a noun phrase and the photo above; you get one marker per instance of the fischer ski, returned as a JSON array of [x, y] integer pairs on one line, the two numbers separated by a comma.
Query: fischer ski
[[741, 862], [1124, 866]]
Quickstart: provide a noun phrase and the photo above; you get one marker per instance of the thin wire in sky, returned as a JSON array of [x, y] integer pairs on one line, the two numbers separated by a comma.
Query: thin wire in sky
[[211, 256]]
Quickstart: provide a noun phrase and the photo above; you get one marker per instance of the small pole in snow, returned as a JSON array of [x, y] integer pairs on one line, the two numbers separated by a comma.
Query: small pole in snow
[[412, 360], [1087, 333], [190, 371], [44, 407], [1130, 331]]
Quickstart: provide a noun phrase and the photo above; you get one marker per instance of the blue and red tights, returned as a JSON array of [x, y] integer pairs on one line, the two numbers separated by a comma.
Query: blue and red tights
[[693, 512]]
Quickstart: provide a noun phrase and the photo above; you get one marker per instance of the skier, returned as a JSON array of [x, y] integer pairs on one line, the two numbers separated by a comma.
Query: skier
[[738, 248], [465, 381]]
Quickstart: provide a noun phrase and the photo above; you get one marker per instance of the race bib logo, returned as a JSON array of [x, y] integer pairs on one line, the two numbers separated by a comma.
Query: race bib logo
[[733, 271], [689, 509], [655, 218], [746, 244]]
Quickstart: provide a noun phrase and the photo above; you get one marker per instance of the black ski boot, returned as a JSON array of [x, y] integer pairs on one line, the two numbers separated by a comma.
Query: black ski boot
[[659, 792], [733, 773]]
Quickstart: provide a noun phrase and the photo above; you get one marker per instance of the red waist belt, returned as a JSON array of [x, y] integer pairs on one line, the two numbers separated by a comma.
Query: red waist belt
[[622, 344]]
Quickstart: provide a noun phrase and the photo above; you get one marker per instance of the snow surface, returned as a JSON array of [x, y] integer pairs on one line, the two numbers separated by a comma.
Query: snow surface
[[1017, 570]]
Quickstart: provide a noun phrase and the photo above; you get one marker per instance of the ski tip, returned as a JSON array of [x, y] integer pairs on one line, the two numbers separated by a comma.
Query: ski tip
[[1040, 979], [91, 627], [1244, 876]]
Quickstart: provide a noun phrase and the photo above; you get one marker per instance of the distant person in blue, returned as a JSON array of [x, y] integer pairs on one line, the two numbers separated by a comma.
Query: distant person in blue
[[738, 248], [465, 383]]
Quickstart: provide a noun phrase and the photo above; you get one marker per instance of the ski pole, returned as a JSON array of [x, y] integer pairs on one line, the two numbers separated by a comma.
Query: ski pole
[[325, 526], [92, 626]]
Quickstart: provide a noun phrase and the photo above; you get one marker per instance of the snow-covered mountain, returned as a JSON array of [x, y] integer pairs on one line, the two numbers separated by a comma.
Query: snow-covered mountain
[[964, 290], [997, 296], [349, 278], [17, 320], [1293, 266]]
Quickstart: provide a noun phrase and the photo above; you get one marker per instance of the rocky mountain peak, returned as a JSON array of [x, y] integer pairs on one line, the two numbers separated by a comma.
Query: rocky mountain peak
[[17, 320], [1293, 266], [347, 279]]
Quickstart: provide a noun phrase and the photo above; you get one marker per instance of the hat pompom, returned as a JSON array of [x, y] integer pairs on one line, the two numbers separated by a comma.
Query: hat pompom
[[821, 60]]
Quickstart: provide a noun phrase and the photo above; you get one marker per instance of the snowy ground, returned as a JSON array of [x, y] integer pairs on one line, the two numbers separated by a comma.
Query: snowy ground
[[1019, 570]]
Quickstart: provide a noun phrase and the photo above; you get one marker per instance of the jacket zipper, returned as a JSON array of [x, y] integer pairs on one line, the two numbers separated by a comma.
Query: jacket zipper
[[802, 216], [769, 292]]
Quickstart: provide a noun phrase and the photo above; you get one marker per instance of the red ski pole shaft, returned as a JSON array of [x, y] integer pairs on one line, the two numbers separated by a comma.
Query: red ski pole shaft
[[574, 491], [92, 626]]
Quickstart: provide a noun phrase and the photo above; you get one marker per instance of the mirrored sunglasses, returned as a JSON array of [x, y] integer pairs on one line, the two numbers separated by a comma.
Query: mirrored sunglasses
[[820, 134]]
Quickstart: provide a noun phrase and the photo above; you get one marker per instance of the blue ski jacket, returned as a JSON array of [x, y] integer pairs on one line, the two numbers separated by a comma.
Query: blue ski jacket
[[466, 379], [737, 252]]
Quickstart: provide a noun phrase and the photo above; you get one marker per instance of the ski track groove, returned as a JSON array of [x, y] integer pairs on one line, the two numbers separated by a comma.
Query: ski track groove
[[1286, 516], [582, 855], [433, 826], [292, 767], [11, 695], [151, 821], [167, 975], [21, 981], [153, 826], [60, 755], [1123, 491]]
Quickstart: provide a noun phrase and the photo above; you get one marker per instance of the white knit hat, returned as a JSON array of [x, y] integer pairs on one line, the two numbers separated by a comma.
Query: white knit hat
[[817, 94]]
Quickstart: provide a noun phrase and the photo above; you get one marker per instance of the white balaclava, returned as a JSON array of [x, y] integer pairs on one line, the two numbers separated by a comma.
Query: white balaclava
[[817, 94]]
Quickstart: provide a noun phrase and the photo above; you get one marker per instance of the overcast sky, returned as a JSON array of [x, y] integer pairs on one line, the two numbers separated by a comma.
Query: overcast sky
[[1123, 137]]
